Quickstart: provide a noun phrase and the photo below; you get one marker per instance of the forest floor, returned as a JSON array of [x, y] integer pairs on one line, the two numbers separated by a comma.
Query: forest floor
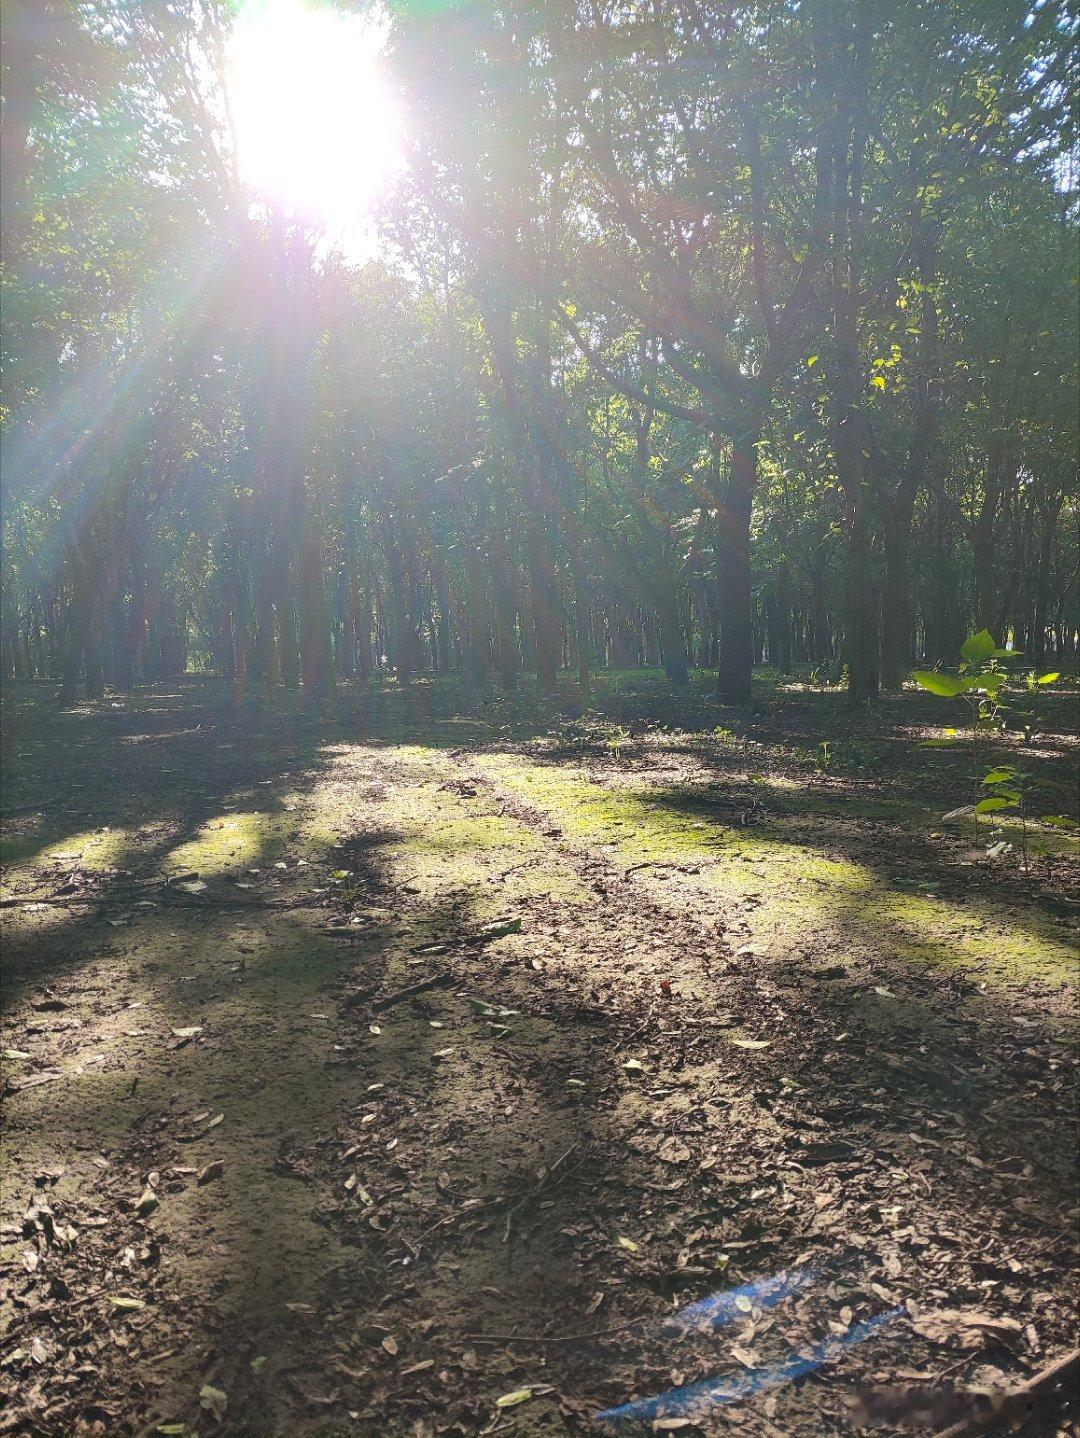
[[702, 1005]]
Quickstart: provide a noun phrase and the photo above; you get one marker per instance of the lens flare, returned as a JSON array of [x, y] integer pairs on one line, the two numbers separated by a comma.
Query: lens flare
[[316, 126]]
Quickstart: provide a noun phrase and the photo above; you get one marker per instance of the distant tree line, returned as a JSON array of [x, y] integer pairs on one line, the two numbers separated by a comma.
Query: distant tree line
[[698, 335]]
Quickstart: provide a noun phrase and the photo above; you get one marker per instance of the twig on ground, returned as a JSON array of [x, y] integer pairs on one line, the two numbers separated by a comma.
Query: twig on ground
[[1016, 1404], [515, 868], [438, 981], [65, 902], [532, 1192], [555, 1337], [650, 864]]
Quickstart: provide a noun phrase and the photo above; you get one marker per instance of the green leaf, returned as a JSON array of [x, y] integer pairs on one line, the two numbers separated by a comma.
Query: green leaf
[[499, 928], [878, 381], [979, 647], [944, 684], [998, 776], [1059, 821], [938, 743], [215, 1399], [511, 1400], [989, 806], [812, 361], [173, 1430], [1048, 678]]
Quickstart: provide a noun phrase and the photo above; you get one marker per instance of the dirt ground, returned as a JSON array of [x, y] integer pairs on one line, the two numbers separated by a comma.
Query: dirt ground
[[368, 1066]]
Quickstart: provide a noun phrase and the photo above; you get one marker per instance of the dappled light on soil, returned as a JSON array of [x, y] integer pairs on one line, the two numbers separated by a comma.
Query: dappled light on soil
[[512, 1045], [540, 569]]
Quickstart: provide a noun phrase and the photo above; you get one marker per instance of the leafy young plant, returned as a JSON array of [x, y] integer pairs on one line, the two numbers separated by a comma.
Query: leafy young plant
[[979, 681]]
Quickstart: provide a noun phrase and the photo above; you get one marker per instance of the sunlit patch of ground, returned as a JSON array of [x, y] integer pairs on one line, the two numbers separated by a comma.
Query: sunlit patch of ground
[[848, 1033], [851, 902]]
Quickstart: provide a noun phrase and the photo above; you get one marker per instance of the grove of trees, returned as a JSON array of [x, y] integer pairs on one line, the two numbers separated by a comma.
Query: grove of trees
[[696, 334]]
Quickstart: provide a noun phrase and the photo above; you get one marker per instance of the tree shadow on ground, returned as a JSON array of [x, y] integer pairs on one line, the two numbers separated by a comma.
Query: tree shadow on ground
[[458, 1143]]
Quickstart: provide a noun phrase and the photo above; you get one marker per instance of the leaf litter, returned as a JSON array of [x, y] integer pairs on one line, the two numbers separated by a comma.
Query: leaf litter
[[707, 1158]]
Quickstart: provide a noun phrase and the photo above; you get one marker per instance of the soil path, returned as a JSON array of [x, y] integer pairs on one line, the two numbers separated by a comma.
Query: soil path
[[360, 1074]]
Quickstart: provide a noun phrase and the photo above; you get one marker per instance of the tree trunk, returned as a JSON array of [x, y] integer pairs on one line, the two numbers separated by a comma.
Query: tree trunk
[[736, 658], [672, 639], [895, 606]]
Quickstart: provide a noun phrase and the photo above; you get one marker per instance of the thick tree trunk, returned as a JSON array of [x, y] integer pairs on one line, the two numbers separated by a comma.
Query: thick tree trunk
[[543, 606], [861, 619], [672, 639], [1049, 511], [819, 641], [896, 606], [314, 619], [504, 591], [95, 669], [80, 619], [853, 440], [734, 593]]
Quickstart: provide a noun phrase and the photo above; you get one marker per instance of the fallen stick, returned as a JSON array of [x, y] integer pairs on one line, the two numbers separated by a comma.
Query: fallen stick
[[650, 864], [439, 981], [196, 901], [538, 1188], [509, 1338], [65, 902], [1018, 1403]]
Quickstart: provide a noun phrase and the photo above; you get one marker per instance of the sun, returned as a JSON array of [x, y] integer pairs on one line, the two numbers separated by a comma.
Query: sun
[[316, 126]]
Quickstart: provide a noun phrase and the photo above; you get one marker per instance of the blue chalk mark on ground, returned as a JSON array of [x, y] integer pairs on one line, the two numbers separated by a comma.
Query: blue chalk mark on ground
[[722, 1308], [695, 1399]]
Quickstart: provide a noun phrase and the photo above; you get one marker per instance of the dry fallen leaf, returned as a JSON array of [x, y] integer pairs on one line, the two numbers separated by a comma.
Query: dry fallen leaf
[[673, 1150], [968, 1327], [147, 1203]]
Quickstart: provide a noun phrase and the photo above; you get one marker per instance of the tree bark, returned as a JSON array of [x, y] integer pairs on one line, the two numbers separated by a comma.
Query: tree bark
[[734, 591]]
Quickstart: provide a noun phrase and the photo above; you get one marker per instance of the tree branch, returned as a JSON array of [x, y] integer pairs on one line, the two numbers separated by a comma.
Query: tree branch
[[700, 417]]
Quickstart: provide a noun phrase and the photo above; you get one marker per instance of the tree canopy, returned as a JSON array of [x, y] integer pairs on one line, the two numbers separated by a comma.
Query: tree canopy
[[690, 334]]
